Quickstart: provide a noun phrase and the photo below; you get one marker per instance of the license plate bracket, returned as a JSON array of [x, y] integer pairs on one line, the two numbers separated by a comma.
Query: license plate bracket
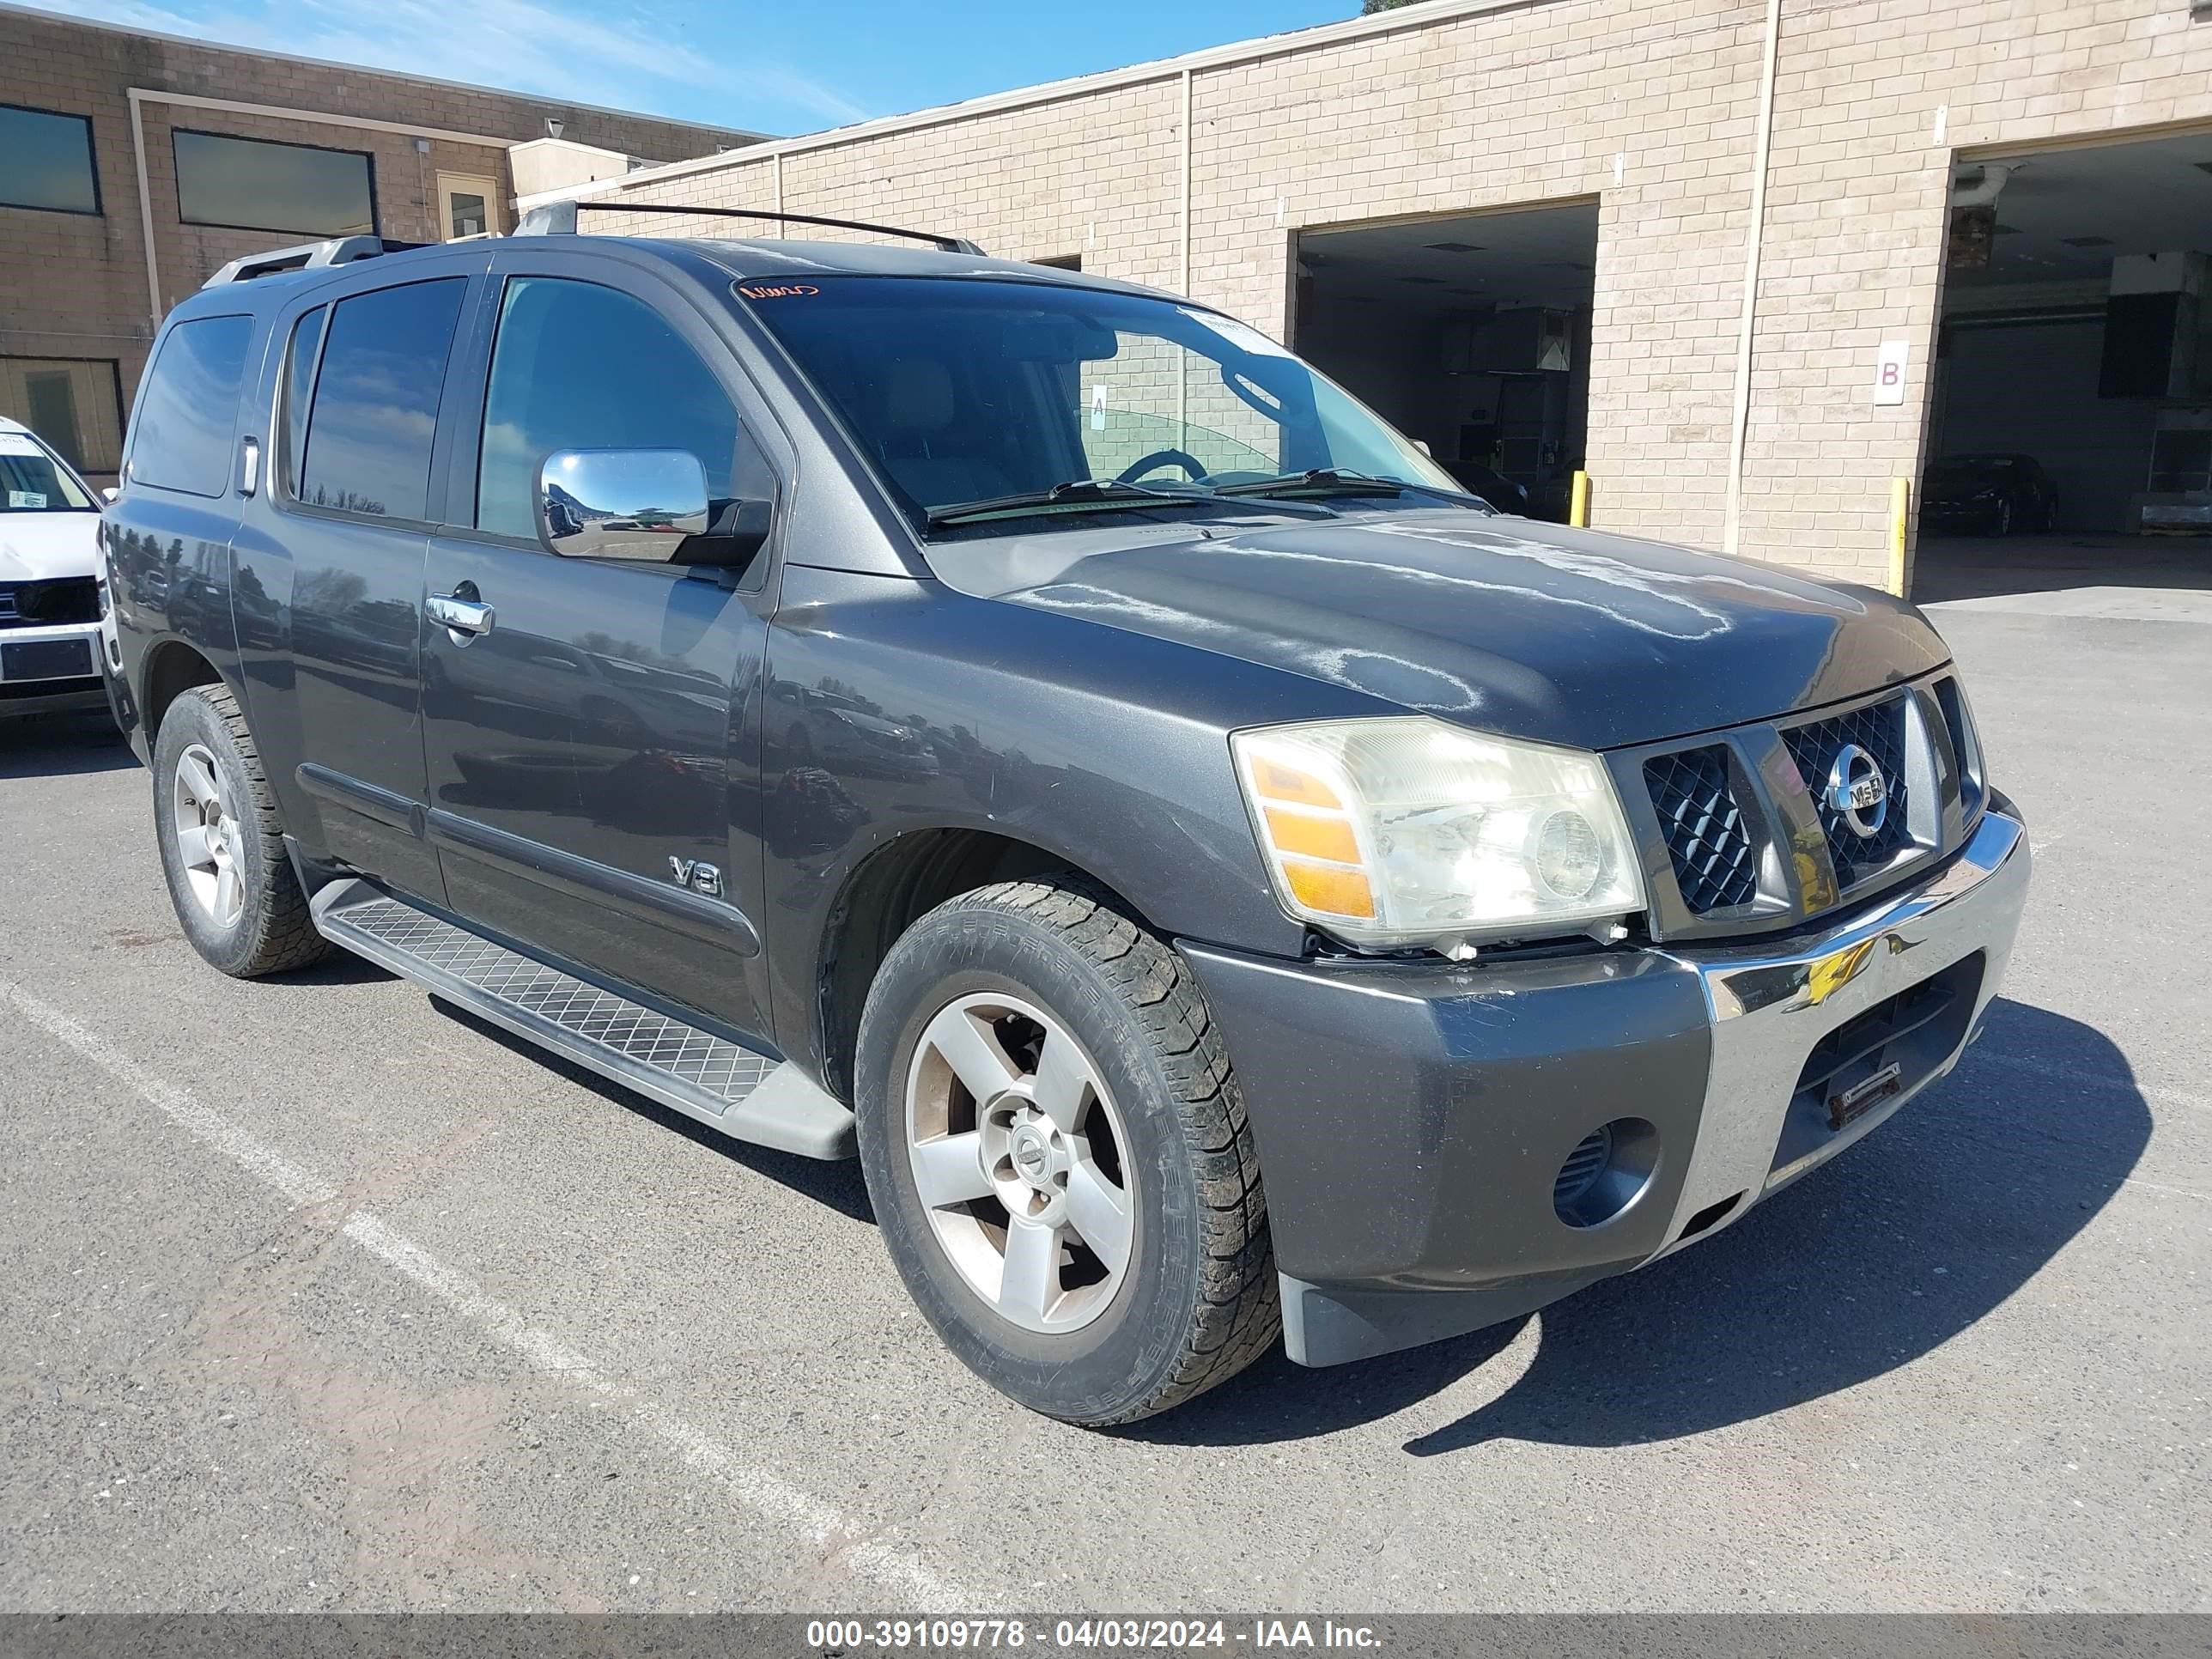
[[1846, 1105]]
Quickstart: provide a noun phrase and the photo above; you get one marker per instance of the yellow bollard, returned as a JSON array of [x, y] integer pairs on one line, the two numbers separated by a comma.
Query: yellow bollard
[[1578, 506], [1900, 507]]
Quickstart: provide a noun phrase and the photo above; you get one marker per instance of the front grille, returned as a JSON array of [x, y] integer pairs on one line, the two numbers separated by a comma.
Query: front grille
[[1751, 844], [1878, 728], [1715, 864], [37, 605]]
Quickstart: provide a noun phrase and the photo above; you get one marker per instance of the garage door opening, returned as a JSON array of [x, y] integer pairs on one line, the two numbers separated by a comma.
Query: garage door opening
[[1471, 334], [2070, 431]]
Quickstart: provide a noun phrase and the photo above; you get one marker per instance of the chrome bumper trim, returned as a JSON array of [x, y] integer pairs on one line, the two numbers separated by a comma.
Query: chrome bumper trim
[[1769, 1008]]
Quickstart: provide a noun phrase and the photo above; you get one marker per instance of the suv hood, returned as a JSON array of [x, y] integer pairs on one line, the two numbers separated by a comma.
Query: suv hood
[[1528, 630], [37, 547]]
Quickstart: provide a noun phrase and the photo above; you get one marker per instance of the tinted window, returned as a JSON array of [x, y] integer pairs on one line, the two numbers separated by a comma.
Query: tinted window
[[46, 160], [580, 367], [181, 440], [961, 391], [299, 384], [258, 185], [375, 406]]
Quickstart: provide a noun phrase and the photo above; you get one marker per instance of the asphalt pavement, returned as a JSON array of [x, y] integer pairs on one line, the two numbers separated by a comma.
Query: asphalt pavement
[[316, 1293]]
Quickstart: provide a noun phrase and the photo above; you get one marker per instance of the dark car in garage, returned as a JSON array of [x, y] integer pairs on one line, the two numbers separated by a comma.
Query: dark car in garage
[[1992, 495]]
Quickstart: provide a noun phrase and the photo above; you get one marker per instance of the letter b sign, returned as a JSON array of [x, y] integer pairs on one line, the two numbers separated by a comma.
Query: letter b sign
[[1889, 374]]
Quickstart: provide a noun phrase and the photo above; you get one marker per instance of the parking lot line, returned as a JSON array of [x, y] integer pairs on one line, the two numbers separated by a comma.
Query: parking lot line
[[769, 1494]]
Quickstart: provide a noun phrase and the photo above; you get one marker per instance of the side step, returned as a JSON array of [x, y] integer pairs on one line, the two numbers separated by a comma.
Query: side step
[[746, 1096]]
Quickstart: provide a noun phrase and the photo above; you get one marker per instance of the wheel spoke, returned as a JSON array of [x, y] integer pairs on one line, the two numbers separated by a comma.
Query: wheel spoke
[[949, 1170], [199, 781], [1030, 1283], [1099, 1212], [195, 846], [226, 893], [1063, 1078], [972, 1050]]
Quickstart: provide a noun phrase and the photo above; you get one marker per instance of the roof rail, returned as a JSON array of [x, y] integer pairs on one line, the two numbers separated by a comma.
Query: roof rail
[[559, 218], [338, 251]]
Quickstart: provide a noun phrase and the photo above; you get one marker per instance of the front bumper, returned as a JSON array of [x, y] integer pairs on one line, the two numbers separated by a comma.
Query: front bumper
[[1414, 1121], [51, 669]]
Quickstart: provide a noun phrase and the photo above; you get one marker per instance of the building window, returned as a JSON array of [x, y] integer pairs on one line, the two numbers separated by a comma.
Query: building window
[[71, 404], [254, 184], [74, 403], [46, 160]]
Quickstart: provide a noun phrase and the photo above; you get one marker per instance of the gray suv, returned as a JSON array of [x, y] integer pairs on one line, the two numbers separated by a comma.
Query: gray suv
[[1034, 732]]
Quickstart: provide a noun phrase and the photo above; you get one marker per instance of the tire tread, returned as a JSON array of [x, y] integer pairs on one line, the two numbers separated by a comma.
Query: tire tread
[[285, 937], [1239, 1313]]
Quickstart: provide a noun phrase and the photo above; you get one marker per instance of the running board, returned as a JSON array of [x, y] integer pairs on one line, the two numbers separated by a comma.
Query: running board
[[745, 1095]]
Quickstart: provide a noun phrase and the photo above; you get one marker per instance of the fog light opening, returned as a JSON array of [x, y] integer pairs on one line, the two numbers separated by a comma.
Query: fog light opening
[[1606, 1172]]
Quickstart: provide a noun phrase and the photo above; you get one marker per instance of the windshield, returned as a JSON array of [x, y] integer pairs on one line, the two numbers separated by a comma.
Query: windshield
[[31, 481], [964, 391]]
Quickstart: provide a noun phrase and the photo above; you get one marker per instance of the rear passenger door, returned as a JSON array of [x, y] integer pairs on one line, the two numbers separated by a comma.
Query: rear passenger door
[[330, 563], [592, 753]]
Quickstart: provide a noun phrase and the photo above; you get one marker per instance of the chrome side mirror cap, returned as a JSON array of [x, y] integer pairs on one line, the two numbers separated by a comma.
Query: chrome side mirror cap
[[111, 494], [620, 503]]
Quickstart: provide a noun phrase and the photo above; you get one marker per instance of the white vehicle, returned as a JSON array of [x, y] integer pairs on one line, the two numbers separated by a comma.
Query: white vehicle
[[53, 594]]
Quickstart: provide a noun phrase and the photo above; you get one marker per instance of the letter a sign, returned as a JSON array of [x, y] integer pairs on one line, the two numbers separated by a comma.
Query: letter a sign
[[1889, 374]]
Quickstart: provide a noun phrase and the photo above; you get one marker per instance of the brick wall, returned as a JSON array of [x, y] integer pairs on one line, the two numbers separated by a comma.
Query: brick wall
[[74, 286], [1653, 111]]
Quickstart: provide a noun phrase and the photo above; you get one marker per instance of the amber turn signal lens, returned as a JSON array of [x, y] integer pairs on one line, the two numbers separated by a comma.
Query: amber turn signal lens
[[1276, 781], [1318, 838], [1332, 892]]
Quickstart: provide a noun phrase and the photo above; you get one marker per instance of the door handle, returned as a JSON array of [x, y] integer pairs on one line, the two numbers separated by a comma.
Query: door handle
[[464, 619]]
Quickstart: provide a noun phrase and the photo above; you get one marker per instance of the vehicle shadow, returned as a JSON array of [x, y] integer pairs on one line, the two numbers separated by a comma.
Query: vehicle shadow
[[63, 745], [837, 1185], [1904, 1242]]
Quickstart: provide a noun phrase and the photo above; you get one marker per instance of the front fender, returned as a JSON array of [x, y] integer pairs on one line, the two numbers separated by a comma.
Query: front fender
[[1106, 750]]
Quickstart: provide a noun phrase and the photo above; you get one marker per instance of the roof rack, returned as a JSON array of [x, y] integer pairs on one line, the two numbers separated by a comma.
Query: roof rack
[[559, 218], [338, 251]]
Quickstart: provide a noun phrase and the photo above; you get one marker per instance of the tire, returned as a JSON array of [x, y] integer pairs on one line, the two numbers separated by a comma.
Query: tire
[[1194, 1300], [257, 922]]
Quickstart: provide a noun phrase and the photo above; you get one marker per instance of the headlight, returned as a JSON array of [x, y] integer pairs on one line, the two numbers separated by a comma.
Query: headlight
[[1408, 831]]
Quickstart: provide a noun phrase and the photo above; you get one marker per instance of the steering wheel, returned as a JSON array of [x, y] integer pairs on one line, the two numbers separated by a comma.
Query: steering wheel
[[1137, 469]]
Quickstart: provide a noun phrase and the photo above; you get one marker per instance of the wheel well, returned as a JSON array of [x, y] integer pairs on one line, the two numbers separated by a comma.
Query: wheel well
[[891, 890], [173, 668]]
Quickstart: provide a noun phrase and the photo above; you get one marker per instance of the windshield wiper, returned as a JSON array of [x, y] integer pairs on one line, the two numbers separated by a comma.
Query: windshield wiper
[[1082, 494], [1341, 481]]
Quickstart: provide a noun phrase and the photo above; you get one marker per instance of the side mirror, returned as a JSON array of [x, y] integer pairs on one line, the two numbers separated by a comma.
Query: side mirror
[[111, 494], [620, 503]]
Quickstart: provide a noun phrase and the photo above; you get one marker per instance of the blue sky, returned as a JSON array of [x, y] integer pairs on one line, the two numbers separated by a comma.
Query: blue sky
[[792, 66]]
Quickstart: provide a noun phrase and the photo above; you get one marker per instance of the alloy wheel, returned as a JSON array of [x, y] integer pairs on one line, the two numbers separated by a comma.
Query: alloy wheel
[[1019, 1157], [209, 838]]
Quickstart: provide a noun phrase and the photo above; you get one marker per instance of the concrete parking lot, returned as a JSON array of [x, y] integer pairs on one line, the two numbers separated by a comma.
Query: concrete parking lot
[[316, 1294]]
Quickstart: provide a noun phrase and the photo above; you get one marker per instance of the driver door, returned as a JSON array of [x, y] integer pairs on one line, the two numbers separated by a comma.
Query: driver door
[[593, 748]]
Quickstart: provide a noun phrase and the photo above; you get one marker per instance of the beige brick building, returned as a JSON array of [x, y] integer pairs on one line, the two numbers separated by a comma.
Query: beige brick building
[[1778, 197], [94, 122]]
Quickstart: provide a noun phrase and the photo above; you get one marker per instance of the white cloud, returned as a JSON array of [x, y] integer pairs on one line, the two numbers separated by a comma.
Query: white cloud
[[625, 59]]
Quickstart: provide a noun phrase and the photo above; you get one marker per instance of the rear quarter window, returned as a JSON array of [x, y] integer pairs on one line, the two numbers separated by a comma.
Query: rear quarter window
[[189, 410]]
